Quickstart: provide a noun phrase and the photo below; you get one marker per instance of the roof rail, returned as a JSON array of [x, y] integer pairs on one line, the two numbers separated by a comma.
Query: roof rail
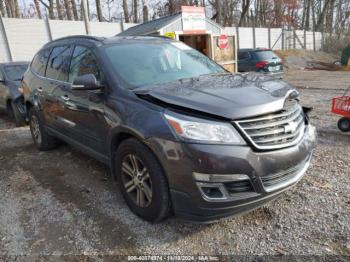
[[88, 37], [150, 35]]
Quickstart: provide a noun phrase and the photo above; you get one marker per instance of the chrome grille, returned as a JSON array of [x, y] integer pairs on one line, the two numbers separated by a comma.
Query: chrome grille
[[277, 130]]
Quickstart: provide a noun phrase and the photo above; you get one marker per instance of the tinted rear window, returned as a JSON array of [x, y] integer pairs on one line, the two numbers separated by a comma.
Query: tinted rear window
[[39, 62], [15, 72], [265, 55]]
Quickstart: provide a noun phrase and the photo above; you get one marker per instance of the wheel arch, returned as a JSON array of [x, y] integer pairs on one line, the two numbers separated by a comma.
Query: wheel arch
[[123, 134]]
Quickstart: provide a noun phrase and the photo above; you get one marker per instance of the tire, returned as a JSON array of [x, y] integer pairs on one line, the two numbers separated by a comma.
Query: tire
[[344, 124], [158, 207], [41, 138], [15, 114]]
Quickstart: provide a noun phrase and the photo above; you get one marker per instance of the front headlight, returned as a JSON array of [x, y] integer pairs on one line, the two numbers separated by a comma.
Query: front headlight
[[195, 129]]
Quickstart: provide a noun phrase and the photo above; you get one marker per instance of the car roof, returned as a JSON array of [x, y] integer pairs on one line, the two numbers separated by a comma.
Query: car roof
[[99, 41], [254, 49]]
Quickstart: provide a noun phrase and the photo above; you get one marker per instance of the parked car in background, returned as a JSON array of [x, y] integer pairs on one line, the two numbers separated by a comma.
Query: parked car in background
[[260, 60], [179, 132], [11, 98]]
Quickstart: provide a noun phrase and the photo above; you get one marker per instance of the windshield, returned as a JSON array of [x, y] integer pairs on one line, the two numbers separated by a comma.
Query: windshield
[[140, 64], [15, 72]]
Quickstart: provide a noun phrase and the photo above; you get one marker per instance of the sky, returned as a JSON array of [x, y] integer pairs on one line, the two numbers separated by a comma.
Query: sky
[[115, 7]]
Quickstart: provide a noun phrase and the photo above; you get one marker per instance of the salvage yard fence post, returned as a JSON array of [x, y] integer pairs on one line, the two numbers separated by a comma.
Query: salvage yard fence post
[[5, 40]]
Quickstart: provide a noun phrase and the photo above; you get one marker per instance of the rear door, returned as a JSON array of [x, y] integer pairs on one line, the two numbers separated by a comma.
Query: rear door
[[35, 85], [57, 80], [244, 61]]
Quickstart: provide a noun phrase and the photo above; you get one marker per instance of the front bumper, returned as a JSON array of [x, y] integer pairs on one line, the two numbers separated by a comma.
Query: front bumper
[[270, 173]]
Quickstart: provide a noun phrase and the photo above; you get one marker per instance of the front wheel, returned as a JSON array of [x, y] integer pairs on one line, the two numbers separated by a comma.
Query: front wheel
[[344, 124], [142, 181]]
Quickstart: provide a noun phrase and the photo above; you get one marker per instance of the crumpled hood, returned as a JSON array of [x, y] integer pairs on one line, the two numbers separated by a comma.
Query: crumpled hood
[[231, 96]]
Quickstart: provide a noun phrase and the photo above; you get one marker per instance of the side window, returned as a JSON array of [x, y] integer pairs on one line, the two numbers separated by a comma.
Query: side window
[[58, 65], [39, 62], [83, 62], [243, 55]]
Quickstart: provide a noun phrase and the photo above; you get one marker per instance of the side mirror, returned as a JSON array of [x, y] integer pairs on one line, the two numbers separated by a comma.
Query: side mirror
[[86, 82]]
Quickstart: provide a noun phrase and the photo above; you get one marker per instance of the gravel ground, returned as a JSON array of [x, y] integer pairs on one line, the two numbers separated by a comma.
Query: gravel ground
[[62, 202]]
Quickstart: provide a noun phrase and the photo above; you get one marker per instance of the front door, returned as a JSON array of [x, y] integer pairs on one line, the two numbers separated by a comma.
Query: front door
[[85, 108]]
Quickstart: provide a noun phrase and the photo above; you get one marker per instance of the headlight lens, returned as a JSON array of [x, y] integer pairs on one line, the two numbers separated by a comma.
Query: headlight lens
[[201, 130]]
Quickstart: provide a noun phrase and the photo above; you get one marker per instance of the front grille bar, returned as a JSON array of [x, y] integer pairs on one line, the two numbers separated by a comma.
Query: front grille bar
[[273, 131]]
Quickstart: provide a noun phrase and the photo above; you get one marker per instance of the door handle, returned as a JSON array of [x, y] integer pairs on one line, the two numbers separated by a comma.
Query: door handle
[[65, 98]]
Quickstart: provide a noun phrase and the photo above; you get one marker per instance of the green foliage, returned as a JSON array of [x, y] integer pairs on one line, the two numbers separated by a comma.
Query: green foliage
[[345, 55]]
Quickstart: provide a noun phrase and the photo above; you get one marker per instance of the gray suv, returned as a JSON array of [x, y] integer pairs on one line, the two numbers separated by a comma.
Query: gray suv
[[179, 133]]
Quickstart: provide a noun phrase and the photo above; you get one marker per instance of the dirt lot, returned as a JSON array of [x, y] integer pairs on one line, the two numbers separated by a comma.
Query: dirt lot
[[63, 202]]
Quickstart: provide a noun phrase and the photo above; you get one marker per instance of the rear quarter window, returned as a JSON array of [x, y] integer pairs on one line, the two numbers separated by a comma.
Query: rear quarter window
[[39, 62]]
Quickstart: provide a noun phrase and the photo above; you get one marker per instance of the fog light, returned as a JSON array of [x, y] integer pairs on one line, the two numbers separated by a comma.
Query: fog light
[[219, 178], [212, 192]]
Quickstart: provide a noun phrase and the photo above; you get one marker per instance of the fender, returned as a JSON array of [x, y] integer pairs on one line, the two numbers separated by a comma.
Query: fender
[[120, 132]]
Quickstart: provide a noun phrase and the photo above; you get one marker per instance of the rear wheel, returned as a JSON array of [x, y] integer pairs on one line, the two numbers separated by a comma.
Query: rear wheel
[[41, 138], [344, 124], [142, 181]]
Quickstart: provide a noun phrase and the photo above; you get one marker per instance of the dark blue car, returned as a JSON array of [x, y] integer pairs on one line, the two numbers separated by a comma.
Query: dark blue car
[[260, 60]]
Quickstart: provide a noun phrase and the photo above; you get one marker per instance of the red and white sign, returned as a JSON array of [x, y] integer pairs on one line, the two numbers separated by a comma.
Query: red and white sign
[[193, 19], [223, 41]]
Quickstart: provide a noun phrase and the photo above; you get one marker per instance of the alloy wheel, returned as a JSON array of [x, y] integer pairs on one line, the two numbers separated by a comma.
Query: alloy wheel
[[136, 180]]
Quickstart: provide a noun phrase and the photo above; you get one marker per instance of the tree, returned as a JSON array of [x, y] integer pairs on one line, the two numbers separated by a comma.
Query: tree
[[126, 11], [68, 9], [135, 8], [16, 9], [59, 10], [37, 8], [2, 8], [51, 10], [99, 10], [319, 25], [145, 13], [75, 11], [245, 11]]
